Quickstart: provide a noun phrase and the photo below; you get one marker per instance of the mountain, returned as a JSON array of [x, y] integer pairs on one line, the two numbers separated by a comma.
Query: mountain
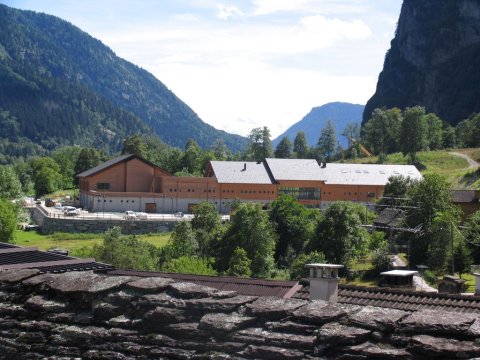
[[339, 113], [434, 60], [60, 86]]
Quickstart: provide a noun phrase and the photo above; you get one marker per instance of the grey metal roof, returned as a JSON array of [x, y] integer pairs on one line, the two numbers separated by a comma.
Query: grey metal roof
[[105, 165], [241, 172], [366, 174], [295, 169]]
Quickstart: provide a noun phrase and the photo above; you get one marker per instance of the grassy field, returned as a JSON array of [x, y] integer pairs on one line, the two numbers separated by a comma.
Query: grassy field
[[74, 242]]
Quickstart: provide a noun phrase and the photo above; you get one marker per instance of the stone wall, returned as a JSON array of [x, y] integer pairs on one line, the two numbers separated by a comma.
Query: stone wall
[[74, 225], [92, 316]]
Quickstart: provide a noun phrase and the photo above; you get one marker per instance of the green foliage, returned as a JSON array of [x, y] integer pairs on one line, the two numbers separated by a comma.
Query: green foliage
[[8, 221], [207, 227], [326, 143], [10, 186], [251, 230], [339, 235], [431, 197], [239, 264], [382, 131], [66, 158], [467, 132], [46, 175], [260, 145], [294, 225], [413, 134], [87, 159], [182, 242], [189, 265], [126, 252], [135, 144], [284, 149], [298, 269], [300, 146], [471, 232]]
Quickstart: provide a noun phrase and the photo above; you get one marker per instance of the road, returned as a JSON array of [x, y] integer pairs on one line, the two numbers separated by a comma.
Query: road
[[472, 164], [418, 281]]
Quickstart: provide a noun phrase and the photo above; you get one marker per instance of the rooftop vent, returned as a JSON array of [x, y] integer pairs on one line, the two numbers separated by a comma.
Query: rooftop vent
[[244, 167]]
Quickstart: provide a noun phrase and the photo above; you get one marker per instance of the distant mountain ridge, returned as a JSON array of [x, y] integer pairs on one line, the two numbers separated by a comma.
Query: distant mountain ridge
[[50, 68], [433, 61], [340, 113]]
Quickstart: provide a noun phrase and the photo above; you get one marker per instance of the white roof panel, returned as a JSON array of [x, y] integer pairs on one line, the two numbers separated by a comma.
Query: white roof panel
[[240, 172], [295, 169]]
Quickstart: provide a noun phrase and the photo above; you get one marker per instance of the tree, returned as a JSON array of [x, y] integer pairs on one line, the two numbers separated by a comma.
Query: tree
[[471, 232], [413, 134], [46, 175], [8, 221], [191, 157], [352, 133], [298, 269], [260, 146], [284, 149], [434, 135], [87, 159], [300, 146], [126, 252], [251, 230], [339, 235], [135, 144], [189, 265], [10, 186], [430, 197], [220, 150], [207, 227], [382, 131], [66, 157], [294, 225], [239, 264], [326, 143], [182, 241]]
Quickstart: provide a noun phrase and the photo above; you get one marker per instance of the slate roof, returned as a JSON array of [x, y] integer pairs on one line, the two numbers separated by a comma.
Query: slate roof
[[295, 169], [365, 174], [401, 299], [105, 165], [253, 287], [16, 257], [241, 172]]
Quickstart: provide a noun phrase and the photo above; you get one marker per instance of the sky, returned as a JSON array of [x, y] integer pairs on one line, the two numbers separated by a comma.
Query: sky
[[241, 64]]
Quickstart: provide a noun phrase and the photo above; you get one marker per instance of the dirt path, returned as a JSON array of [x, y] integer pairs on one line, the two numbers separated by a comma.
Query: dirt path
[[472, 164]]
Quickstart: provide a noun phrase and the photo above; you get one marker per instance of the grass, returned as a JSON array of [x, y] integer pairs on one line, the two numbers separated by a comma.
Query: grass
[[76, 241]]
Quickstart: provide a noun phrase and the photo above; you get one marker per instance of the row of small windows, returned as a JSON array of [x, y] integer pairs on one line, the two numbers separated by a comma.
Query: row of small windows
[[254, 192], [104, 200]]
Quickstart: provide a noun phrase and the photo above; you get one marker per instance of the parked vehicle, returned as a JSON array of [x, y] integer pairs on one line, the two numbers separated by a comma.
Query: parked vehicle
[[58, 206], [141, 216], [179, 214], [130, 215], [49, 202], [70, 210]]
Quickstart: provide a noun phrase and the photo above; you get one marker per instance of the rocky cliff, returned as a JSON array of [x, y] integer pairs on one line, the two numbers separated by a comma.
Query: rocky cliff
[[83, 315], [434, 60]]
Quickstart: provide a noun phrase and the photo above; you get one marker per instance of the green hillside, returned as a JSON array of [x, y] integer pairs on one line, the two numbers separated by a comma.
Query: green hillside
[[59, 85]]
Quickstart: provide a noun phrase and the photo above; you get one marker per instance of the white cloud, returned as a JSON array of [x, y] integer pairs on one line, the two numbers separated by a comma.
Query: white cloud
[[265, 7], [225, 12]]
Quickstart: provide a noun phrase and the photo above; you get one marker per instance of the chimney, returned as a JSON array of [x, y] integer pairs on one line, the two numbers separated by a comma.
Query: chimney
[[324, 165], [324, 281], [244, 167]]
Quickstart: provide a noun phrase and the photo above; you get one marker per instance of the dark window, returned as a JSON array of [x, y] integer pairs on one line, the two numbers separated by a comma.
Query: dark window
[[300, 192], [133, 201], [103, 186]]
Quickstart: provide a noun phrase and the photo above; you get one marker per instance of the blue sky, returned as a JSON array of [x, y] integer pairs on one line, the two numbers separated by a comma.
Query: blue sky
[[244, 64]]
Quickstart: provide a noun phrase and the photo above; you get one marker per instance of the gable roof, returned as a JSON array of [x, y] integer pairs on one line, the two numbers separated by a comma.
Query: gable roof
[[366, 174], [295, 169], [115, 161], [241, 172]]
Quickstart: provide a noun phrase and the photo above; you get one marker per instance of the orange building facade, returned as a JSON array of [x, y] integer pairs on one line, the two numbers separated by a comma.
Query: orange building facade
[[131, 183]]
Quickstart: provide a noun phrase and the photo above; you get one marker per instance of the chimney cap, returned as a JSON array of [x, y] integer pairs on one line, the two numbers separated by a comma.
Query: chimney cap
[[324, 266]]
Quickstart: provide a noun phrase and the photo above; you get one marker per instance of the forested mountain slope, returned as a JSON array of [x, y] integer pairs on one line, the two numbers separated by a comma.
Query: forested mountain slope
[[59, 85], [434, 60]]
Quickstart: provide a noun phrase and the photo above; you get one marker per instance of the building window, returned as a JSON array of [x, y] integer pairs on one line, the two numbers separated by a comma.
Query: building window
[[110, 200], [121, 201], [300, 193], [133, 201], [371, 194], [103, 186]]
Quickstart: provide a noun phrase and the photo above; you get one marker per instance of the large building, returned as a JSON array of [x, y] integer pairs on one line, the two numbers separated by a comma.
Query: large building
[[131, 183]]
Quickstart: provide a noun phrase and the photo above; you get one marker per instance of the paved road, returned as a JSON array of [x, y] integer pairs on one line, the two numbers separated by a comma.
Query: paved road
[[472, 164]]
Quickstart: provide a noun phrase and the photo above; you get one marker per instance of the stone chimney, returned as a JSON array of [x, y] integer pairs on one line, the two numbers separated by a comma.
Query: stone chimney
[[324, 281]]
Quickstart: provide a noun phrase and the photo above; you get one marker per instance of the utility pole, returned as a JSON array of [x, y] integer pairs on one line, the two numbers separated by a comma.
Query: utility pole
[[453, 253]]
